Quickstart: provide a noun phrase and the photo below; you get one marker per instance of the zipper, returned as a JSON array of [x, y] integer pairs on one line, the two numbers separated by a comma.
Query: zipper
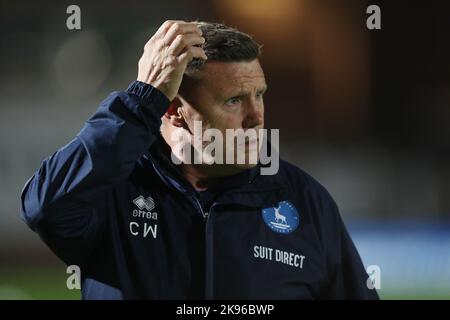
[[209, 256], [199, 208]]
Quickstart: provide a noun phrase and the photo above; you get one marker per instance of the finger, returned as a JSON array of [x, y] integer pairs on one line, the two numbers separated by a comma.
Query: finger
[[165, 27], [192, 53], [180, 28], [185, 40]]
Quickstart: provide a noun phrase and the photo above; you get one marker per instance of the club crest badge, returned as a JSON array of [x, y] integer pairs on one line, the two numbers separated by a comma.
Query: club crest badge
[[283, 218]]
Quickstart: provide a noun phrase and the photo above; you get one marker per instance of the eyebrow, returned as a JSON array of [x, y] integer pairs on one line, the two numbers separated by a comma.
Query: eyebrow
[[243, 93]]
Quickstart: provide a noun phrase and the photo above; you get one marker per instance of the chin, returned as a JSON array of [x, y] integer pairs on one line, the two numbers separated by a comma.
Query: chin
[[222, 170], [244, 166]]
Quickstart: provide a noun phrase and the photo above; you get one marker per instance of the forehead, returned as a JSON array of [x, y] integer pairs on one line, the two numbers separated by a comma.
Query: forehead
[[233, 76]]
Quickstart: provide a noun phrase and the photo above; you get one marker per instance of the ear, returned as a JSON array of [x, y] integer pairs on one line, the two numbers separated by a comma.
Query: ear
[[173, 114]]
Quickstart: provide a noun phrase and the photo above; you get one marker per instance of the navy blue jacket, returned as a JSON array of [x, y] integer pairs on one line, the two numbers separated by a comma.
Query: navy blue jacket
[[111, 202]]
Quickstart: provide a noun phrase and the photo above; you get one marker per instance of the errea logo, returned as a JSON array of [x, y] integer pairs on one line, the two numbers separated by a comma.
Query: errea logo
[[142, 203], [144, 220]]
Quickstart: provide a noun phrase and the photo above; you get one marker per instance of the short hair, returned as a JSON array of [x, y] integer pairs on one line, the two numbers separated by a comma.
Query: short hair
[[224, 44]]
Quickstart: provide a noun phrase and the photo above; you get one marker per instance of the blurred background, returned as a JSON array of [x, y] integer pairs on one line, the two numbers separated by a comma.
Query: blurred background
[[366, 112]]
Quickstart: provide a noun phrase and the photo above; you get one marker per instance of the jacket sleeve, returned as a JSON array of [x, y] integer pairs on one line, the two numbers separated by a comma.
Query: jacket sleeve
[[349, 279], [347, 275], [64, 201]]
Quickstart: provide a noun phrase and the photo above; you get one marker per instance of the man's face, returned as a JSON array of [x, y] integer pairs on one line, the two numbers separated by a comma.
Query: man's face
[[226, 95]]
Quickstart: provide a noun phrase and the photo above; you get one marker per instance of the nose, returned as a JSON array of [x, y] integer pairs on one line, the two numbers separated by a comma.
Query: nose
[[253, 114]]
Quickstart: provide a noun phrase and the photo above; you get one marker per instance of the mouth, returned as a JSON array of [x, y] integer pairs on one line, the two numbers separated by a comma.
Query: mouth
[[251, 145]]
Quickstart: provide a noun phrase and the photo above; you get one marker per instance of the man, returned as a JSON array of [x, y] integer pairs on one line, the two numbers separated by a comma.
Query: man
[[139, 226]]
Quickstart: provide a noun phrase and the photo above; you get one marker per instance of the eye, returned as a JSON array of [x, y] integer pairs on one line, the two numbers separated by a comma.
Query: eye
[[259, 94], [233, 101]]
